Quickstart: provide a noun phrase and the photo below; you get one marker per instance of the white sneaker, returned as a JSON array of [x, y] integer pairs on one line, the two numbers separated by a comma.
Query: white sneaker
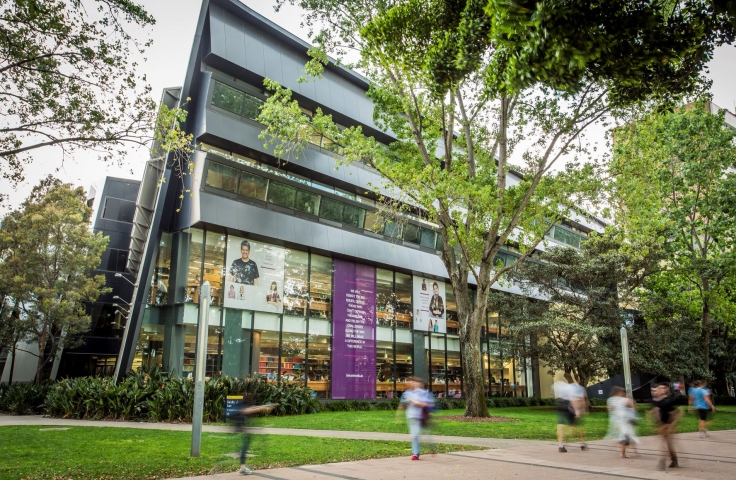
[[245, 471]]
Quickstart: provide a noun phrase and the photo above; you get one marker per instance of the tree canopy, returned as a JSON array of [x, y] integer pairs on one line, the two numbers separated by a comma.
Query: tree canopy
[[69, 78], [479, 131], [47, 255], [674, 176]]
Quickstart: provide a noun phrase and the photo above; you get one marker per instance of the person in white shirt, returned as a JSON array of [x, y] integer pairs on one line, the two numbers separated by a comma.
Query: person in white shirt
[[570, 406]]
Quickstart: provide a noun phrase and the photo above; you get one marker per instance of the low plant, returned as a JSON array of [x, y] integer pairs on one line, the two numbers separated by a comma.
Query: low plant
[[23, 398]]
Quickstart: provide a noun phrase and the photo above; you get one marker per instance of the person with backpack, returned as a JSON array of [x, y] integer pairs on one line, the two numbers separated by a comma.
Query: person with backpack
[[418, 403], [700, 400]]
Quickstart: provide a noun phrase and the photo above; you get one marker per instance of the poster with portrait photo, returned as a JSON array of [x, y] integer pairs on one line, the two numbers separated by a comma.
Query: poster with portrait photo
[[430, 308], [254, 276]]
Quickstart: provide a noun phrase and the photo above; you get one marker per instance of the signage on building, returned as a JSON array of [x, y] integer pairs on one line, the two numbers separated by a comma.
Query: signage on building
[[354, 331], [430, 306], [254, 276]]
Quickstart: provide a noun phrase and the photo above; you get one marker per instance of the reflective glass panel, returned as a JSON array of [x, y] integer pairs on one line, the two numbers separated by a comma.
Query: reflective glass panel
[[318, 367], [404, 312], [427, 238], [385, 305], [196, 238], [384, 369], [214, 267], [252, 186], [296, 296], [320, 288], [411, 233], [281, 194], [222, 177], [331, 209], [307, 202], [352, 215]]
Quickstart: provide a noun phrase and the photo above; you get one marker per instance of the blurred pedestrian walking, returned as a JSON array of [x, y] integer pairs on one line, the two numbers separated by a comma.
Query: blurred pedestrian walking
[[700, 399], [571, 406], [241, 421], [622, 419], [666, 417], [418, 403]]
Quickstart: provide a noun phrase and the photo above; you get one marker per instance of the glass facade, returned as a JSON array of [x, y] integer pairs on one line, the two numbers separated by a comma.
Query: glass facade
[[294, 344], [235, 180]]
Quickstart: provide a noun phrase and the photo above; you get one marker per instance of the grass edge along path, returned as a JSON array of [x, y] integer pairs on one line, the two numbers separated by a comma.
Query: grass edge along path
[[87, 453], [535, 423]]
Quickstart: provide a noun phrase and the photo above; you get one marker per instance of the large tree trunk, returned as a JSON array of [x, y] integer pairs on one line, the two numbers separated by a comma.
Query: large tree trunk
[[475, 398]]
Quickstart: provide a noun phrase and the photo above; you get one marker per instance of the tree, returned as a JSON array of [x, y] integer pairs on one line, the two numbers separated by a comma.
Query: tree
[[582, 299], [446, 83], [69, 78], [674, 177], [49, 253]]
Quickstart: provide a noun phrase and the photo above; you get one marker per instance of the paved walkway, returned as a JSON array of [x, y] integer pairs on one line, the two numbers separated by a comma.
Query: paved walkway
[[712, 458]]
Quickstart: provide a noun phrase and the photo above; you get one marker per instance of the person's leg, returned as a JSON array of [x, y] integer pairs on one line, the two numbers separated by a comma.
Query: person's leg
[[561, 436], [415, 429], [671, 448]]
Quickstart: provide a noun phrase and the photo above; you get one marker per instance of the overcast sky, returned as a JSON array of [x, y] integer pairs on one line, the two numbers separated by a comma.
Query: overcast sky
[[165, 67]]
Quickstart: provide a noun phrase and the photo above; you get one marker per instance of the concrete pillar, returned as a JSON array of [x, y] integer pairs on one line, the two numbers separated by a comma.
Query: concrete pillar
[[236, 344], [173, 360]]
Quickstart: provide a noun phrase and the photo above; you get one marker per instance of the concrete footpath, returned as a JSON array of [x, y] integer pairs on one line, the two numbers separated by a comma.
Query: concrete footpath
[[712, 458], [709, 458]]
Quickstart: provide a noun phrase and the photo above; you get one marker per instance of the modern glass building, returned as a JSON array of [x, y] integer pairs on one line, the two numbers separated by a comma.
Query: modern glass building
[[308, 282]]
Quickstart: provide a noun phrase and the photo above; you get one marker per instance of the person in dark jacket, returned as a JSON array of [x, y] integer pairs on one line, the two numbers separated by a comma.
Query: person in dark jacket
[[666, 416]]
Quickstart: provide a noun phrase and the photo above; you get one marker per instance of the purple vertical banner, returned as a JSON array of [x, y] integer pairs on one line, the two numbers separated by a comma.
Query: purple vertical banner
[[354, 331]]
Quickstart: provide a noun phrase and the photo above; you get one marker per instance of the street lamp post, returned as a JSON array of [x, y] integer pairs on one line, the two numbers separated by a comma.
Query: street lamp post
[[199, 369], [625, 357]]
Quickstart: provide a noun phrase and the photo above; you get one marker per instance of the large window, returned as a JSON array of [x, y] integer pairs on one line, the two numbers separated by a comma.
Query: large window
[[252, 186], [160, 277], [385, 305], [117, 260], [452, 323], [320, 287], [566, 236], [214, 258], [318, 364], [118, 209], [149, 351], [235, 101], [268, 365], [214, 353], [281, 194], [234, 180], [437, 365], [222, 177], [403, 300], [296, 295], [191, 293], [384, 369]]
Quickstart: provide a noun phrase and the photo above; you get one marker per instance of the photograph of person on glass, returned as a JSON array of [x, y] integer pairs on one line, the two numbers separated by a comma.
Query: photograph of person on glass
[[244, 270]]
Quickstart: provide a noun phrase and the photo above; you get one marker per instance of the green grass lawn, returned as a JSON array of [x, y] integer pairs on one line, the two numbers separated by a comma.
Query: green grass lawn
[[538, 423], [81, 453]]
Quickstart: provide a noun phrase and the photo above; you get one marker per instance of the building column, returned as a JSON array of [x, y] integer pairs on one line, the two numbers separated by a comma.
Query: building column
[[236, 344], [173, 361]]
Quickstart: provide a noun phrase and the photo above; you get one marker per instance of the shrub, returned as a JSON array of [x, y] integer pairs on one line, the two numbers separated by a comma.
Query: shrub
[[155, 395], [23, 398]]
